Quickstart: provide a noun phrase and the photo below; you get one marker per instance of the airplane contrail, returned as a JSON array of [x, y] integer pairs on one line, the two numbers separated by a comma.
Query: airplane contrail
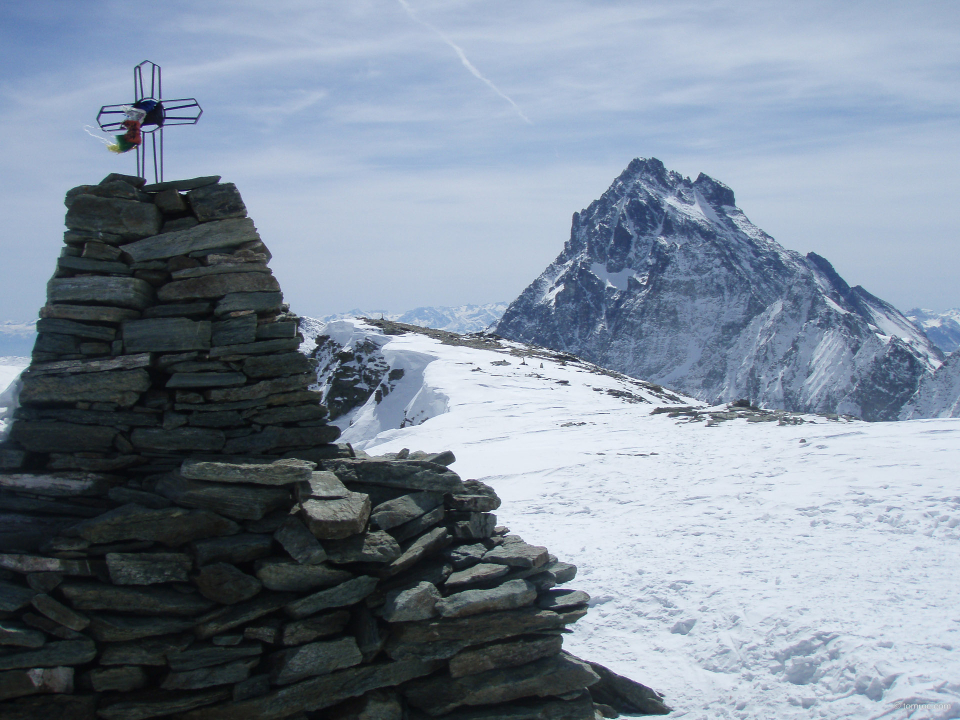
[[463, 59]]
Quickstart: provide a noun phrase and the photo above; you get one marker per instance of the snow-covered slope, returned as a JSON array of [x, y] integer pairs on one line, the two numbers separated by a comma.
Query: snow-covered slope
[[746, 569], [10, 369], [943, 329], [459, 319], [667, 280], [939, 394]]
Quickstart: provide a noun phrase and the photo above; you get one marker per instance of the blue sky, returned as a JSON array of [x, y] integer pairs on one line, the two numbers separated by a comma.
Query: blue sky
[[404, 153]]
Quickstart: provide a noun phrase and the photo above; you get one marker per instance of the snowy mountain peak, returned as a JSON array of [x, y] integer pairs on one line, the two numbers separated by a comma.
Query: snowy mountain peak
[[666, 279]]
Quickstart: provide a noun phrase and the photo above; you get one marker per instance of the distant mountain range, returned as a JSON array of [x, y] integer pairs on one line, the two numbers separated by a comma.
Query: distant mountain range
[[459, 319], [943, 329], [665, 279]]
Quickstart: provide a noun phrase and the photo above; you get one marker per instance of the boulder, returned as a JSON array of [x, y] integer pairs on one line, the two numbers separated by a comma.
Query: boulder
[[122, 292], [206, 236], [334, 519], [411, 604], [128, 219]]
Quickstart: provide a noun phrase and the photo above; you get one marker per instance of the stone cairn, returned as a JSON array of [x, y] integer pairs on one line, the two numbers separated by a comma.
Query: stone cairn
[[180, 536]]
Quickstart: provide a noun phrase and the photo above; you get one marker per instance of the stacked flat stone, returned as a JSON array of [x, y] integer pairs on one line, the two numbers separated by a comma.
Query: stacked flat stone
[[164, 334], [226, 591]]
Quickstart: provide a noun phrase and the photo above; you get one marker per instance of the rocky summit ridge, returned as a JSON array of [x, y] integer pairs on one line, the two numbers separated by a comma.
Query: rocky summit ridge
[[665, 279]]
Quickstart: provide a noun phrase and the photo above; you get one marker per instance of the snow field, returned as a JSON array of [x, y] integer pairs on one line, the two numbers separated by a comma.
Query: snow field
[[745, 570]]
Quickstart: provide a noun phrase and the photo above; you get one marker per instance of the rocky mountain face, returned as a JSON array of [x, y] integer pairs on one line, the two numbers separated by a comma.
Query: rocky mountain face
[[938, 395], [665, 279], [943, 329]]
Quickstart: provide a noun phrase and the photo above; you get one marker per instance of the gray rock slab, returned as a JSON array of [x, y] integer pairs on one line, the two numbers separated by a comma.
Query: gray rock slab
[[502, 655], [293, 577], [151, 651], [117, 386], [170, 526], [267, 366], [14, 597], [419, 525], [407, 474], [471, 525], [562, 599], [158, 703], [171, 202], [160, 601], [93, 313], [335, 519], [71, 327], [129, 219], [316, 658], [625, 695], [81, 264], [261, 347], [235, 331], [281, 472], [209, 677], [273, 438], [372, 547], [322, 485], [57, 485], [234, 549], [411, 604], [317, 693], [217, 286], [123, 292], [188, 184], [53, 654], [179, 439], [216, 202], [557, 675], [16, 634], [403, 509], [174, 334], [220, 621], [206, 236], [282, 329], [221, 269], [343, 595], [117, 679], [237, 501], [481, 573], [444, 638], [282, 415], [196, 309], [70, 367], [205, 654], [464, 556], [148, 568], [126, 628], [260, 389], [52, 707], [258, 302], [297, 540], [512, 594], [311, 628], [59, 613], [183, 380], [20, 683], [429, 544], [518, 555], [62, 437], [225, 584]]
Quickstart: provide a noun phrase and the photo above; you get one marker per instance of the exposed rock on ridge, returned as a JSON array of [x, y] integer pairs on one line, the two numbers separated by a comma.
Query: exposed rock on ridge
[[665, 279]]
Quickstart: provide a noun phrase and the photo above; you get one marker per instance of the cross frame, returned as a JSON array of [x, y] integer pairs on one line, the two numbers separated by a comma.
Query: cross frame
[[157, 115]]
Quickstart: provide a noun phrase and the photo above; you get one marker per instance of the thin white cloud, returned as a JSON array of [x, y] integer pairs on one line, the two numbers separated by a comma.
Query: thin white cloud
[[463, 59]]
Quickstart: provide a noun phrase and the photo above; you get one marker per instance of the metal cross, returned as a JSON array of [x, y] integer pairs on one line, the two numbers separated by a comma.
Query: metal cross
[[156, 116]]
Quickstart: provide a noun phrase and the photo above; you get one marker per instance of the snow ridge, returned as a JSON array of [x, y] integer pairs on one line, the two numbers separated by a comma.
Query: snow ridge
[[664, 278], [943, 329]]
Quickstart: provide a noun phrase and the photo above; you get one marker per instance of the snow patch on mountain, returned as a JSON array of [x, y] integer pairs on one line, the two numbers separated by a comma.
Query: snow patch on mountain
[[664, 278], [748, 564]]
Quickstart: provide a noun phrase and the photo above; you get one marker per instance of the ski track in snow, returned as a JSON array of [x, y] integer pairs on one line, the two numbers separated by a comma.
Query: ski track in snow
[[745, 570]]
